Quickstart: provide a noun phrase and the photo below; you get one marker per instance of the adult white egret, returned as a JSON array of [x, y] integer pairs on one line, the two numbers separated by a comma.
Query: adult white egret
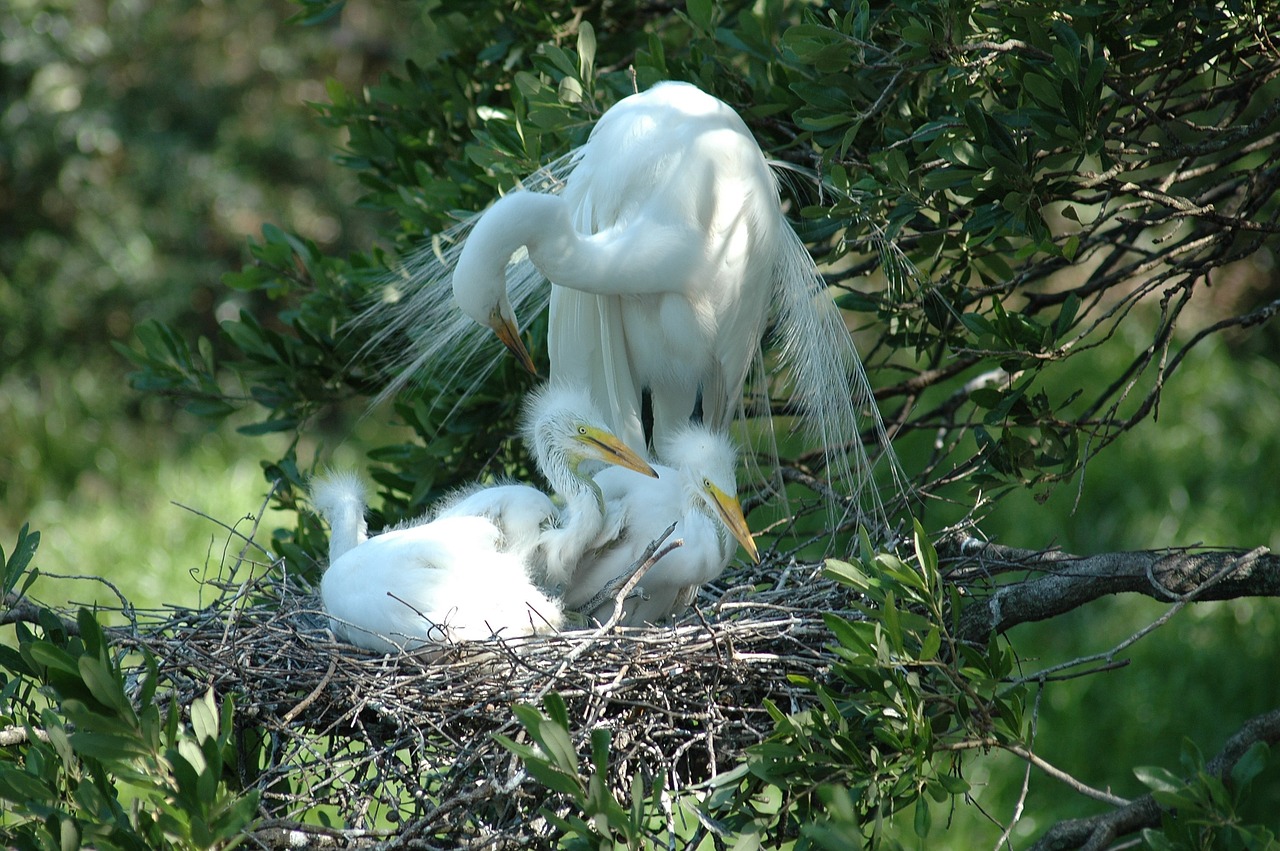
[[695, 490], [568, 440], [664, 248], [665, 239]]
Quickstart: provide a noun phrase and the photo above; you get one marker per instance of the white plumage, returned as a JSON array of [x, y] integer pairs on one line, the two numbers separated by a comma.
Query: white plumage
[[568, 440], [434, 583], [696, 491], [521, 512], [665, 239], [664, 247], [341, 498]]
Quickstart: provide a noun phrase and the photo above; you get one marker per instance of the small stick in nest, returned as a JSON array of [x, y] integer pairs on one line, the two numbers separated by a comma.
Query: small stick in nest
[[620, 588]]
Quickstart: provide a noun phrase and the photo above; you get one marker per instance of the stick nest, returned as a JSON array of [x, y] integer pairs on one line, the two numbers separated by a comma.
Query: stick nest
[[404, 745]]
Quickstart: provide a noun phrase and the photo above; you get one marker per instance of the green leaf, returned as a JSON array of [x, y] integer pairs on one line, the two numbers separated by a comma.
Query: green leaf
[[551, 736], [1042, 90], [930, 645], [700, 12], [849, 634], [1066, 315], [47, 655], [1158, 779], [23, 552], [923, 819], [108, 747], [105, 685], [1157, 840], [204, 717], [586, 50], [19, 787], [556, 709], [554, 779], [954, 784], [847, 574], [269, 426], [1250, 764]]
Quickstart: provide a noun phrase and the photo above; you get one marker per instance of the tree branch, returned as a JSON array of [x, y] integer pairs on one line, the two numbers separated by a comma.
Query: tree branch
[[1070, 581], [1100, 831]]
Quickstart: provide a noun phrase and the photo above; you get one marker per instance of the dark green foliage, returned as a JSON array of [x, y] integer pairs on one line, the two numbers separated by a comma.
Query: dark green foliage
[[974, 152], [1201, 809], [1005, 188], [887, 729], [97, 755], [595, 814]]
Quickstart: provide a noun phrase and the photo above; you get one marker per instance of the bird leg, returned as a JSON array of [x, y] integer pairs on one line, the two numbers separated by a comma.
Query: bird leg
[[610, 591]]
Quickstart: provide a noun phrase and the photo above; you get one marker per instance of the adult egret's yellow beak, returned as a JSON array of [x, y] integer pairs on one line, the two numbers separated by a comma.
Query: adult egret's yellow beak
[[604, 446], [731, 515], [507, 332]]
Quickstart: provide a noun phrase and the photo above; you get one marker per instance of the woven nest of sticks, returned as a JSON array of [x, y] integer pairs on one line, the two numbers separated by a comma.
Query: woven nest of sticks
[[405, 744]]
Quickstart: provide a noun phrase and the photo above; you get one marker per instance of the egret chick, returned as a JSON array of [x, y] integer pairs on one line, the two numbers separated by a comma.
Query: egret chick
[[436, 583], [568, 440], [696, 490], [521, 512], [341, 498]]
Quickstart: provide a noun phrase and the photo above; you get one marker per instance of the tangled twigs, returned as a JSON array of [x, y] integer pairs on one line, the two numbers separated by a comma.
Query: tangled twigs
[[407, 742]]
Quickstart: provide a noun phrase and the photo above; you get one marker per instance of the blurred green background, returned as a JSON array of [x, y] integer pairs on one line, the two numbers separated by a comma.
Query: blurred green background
[[142, 142]]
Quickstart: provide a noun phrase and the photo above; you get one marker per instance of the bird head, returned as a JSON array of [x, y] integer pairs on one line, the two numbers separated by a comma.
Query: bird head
[[726, 506], [480, 290], [708, 460], [566, 433]]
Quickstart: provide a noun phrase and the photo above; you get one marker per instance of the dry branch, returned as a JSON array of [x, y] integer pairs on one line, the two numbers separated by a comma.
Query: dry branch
[[1100, 831], [1065, 582]]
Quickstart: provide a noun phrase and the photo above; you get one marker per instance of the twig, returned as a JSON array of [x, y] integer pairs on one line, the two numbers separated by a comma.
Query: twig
[[1040, 763], [1100, 831]]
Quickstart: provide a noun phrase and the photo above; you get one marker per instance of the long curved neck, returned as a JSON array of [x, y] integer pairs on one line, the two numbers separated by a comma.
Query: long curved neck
[[347, 528], [646, 257], [564, 545]]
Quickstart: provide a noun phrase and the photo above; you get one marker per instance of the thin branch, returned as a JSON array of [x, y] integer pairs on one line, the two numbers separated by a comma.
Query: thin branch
[[1071, 581], [1100, 831], [1040, 763]]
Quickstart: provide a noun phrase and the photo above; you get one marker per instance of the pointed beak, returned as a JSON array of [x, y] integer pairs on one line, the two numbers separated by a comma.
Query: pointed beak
[[730, 511], [603, 446], [507, 332]]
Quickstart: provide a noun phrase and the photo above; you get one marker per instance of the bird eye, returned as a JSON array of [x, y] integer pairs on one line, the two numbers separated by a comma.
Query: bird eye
[[706, 483], [582, 430]]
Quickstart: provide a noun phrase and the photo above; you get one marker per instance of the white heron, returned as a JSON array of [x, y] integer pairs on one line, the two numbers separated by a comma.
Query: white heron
[[669, 252], [663, 246], [425, 584], [569, 441], [696, 490], [433, 584]]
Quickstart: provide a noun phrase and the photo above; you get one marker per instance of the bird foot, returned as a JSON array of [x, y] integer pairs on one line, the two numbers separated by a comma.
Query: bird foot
[[609, 593]]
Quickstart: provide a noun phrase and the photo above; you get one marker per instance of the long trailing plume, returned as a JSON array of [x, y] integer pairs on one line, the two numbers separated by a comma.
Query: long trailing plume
[[414, 327], [830, 388]]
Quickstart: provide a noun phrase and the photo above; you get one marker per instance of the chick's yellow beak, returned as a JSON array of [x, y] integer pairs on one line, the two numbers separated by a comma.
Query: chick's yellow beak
[[507, 332], [730, 511], [604, 446]]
